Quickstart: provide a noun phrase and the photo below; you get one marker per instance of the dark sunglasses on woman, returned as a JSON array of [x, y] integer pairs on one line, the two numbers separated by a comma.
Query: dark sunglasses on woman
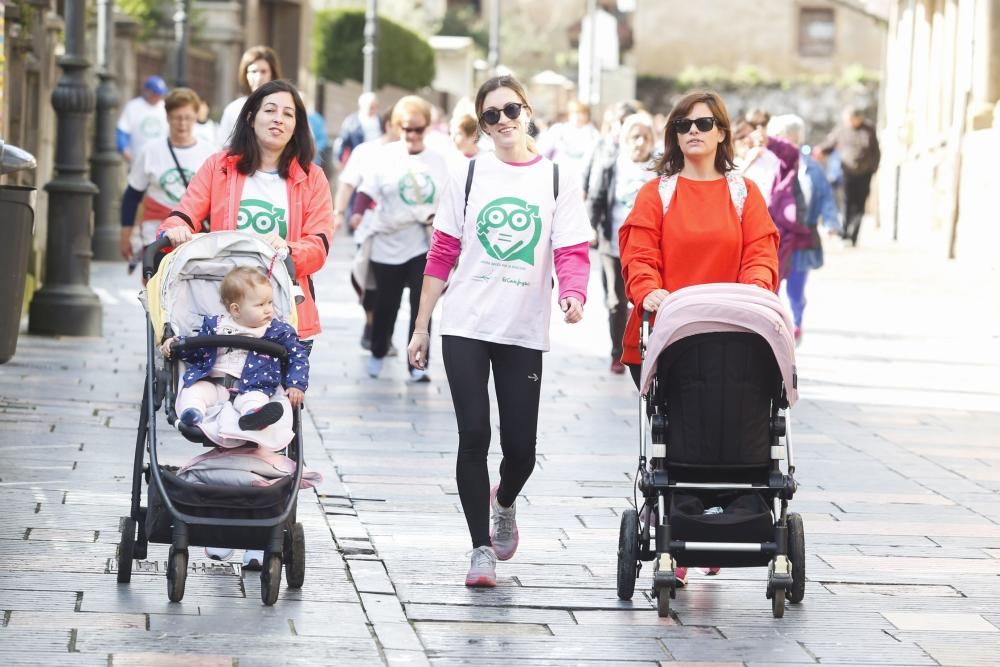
[[492, 116], [704, 124]]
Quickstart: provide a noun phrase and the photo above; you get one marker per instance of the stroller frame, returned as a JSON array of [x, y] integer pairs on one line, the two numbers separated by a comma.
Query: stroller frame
[[285, 539], [645, 532]]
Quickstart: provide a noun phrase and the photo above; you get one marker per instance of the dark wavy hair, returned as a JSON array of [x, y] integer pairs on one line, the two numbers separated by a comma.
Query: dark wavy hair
[[672, 161], [244, 144]]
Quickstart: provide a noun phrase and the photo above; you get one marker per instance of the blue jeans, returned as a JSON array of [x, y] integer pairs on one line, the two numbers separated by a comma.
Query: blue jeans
[[795, 287]]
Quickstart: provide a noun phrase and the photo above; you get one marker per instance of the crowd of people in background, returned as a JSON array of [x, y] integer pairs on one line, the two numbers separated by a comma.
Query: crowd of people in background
[[489, 203]]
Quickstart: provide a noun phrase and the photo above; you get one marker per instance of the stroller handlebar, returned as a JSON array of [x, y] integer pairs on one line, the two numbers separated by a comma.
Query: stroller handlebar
[[152, 255], [243, 342]]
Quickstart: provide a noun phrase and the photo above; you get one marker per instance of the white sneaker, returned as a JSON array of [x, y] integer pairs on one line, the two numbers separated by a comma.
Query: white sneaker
[[504, 534], [419, 375], [374, 366], [216, 553], [483, 569], [253, 560]]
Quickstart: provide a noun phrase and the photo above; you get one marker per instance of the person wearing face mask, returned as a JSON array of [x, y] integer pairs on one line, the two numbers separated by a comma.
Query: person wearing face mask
[[404, 182], [160, 173], [507, 221], [609, 202], [266, 183], [258, 65]]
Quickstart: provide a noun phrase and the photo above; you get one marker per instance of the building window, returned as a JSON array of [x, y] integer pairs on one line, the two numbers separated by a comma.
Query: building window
[[816, 32]]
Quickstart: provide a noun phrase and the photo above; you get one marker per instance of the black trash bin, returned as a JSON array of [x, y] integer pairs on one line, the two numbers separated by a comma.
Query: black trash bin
[[17, 224]]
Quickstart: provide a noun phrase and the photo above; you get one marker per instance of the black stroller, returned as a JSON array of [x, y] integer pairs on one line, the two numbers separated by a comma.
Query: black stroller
[[713, 411], [182, 285]]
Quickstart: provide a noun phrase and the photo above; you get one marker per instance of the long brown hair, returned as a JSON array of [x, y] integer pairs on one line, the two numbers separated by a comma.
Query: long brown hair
[[244, 144], [252, 55], [672, 161]]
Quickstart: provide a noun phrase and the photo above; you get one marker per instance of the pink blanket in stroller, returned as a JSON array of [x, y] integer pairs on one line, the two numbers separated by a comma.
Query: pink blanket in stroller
[[723, 307]]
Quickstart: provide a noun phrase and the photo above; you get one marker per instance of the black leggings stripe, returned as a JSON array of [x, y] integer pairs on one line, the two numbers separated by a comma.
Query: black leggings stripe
[[517, 378]]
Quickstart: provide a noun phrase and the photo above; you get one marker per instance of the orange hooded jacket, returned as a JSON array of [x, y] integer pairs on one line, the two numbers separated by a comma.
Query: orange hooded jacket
[[215, 193]]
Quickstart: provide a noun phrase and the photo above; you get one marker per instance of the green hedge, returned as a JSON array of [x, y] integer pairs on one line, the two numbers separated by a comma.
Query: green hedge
[[405, 59]]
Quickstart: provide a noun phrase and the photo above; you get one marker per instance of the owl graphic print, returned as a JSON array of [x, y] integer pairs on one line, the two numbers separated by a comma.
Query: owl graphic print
[[501, 290]]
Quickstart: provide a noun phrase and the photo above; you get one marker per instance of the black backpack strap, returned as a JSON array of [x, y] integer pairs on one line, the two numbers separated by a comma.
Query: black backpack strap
[[468, 186], [555, 181]]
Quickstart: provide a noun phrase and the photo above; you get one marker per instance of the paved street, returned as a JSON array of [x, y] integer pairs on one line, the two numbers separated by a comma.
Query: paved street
[[898, 459]]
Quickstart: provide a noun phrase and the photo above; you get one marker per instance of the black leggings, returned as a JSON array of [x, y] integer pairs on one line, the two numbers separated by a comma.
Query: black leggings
[[391, 279], [517, 378]]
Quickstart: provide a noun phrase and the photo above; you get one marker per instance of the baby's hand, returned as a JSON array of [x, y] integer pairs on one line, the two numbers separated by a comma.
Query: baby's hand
[[295, 397], [165, 348]]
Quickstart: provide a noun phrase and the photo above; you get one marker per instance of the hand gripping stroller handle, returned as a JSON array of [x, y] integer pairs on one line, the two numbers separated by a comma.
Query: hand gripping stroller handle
[[242, 342], [152, 256]]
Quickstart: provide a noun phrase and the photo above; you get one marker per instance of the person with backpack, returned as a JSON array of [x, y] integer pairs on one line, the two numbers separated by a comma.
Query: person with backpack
[[507, 221]]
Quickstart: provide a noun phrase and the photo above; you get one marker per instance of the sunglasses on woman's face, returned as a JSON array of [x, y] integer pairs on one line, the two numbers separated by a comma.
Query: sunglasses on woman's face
[[704, 124], [492, 116]]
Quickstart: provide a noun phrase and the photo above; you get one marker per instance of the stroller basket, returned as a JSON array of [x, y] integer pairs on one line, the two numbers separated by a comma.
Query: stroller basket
[[744, 518]]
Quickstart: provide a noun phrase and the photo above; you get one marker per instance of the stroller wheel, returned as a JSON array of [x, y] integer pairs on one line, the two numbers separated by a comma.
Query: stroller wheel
[[270, 578], [295, 556], [628, 554], [797, 554], [778, 604], [663, 603], [126, 551], [177, 565]]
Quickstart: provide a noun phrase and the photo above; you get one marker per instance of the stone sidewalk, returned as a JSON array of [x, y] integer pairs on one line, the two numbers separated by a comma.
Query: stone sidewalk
[[895, 443]]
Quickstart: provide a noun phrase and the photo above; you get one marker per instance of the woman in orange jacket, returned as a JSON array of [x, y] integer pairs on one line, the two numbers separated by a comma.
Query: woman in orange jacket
[[266, 183], [697, 223]]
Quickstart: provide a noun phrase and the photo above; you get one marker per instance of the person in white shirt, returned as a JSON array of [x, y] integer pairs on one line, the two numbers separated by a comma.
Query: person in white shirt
[[142, 120], [258, 65], [159, 175], [507, 221], [405, 185], [571, 143], [206, 130]]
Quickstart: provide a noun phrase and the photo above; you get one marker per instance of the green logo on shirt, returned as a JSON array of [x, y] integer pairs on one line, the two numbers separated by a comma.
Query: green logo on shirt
[[261, 217], [628, 192], [151, 127], [173, 185], [509, 229], [416, 189]]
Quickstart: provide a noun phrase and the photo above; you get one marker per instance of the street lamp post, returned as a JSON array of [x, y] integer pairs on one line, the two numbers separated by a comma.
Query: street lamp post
[[105, 163], [370, 49], [494, 54], [65, 305], [181, 39]]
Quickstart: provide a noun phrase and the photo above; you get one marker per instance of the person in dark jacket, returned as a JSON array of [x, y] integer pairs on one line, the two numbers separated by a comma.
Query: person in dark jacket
[[857, 144], [361, 126]]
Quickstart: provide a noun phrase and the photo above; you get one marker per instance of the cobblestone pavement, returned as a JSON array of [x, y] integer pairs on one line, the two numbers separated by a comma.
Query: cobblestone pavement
[[897, 451]]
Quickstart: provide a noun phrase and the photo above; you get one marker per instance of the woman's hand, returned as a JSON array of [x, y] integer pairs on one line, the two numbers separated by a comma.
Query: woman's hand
[[653, 300], [125, 242], [178, 235], [416, 351], [276, 242], [165, 348], [355, 221], [295, 397], [572, 308]]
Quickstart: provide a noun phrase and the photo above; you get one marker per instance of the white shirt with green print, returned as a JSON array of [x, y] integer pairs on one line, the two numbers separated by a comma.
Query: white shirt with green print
[[501, 290], [154, 172], [264, 205], [406, 189]]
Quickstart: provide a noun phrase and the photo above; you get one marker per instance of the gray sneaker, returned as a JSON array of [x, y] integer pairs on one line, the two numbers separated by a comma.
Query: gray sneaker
[[483, 570], [504, 533]]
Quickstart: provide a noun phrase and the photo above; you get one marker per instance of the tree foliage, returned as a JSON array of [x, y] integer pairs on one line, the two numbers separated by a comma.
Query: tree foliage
[[405, 59]]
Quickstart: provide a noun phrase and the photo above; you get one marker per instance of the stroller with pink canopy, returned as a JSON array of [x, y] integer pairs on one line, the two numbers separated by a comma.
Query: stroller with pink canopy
[[716, 470]]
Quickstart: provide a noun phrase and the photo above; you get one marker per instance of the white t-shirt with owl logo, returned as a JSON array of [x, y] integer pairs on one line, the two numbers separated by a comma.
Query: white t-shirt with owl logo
[[501, 290], [264, 205], [406, 189], [154, 172]]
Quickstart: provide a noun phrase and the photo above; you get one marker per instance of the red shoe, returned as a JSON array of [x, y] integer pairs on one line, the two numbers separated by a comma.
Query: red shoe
[[617, 367], [681, 575], [798, 336], [711, 571]]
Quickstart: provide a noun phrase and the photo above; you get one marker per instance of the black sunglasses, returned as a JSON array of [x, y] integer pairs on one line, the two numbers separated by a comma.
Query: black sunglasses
[[492, 116], [704, 124], [413, 130]]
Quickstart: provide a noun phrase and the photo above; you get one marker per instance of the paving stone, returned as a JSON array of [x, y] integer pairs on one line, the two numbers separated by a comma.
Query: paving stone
[[932, 622]]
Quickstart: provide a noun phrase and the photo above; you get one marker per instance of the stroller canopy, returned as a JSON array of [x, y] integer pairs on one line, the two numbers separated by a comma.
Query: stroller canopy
[[719, 307]]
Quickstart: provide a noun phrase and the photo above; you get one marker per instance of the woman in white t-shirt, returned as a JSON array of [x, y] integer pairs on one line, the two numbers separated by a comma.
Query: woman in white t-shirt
[[160, 173], [507, 220], [609, 201], [258, 65], [404, 182]]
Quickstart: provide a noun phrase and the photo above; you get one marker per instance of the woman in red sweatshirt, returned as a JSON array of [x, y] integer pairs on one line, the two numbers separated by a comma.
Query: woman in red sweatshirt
[[695, 224]]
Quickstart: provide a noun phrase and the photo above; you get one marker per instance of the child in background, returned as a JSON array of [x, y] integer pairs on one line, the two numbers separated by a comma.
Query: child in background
[[249, 379]]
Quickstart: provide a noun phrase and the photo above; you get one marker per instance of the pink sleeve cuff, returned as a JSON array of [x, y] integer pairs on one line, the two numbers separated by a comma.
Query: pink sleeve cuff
[[442, 256], [573, 270]]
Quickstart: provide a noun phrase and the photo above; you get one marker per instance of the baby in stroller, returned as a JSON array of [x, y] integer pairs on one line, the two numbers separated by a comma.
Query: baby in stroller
[[248, 379]]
